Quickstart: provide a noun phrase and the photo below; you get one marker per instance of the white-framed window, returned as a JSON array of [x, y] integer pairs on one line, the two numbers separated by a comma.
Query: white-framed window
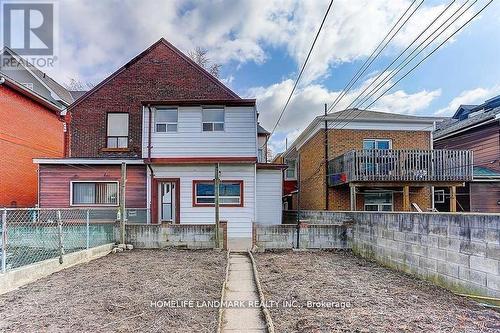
[[439, 196], [213, 119], [379, 202], [94, 193], [28, 85], [166, 120], [261, 156], [377, 144], [290, 172], [230, 193], [117, 130]]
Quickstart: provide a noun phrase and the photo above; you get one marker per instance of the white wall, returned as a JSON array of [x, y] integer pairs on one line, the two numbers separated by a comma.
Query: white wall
[[269, 193], [239, 139], [239, 219]]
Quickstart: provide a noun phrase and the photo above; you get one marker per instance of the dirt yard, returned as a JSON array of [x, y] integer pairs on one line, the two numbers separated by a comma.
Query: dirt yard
[[114, 294], [364, 297]]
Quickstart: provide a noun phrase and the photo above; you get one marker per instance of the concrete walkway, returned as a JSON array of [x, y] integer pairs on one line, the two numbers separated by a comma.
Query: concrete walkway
[[241, 287]]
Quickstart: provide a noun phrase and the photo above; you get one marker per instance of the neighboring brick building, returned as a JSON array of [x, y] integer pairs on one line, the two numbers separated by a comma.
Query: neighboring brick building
[[376, 161], [31, 128]]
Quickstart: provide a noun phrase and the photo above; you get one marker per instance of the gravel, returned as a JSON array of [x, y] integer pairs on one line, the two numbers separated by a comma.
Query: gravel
[[114, 294], [363, 296]]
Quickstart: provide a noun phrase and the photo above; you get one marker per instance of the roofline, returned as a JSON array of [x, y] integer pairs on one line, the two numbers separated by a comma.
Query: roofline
[[140, 56], [86, 161], [198, 102], [30, 94], [465, 129]]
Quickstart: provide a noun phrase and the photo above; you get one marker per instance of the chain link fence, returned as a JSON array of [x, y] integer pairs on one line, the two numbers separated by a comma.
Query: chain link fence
[[32, 234]]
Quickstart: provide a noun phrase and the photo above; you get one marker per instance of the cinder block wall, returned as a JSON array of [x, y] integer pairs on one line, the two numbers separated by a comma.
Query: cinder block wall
[[460, 252]]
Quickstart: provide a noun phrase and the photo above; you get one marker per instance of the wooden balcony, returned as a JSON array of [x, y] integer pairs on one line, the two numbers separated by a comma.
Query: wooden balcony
[[400, 165]]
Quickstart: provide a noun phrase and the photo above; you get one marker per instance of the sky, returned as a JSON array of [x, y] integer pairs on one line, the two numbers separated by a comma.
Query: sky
[[261, 46]]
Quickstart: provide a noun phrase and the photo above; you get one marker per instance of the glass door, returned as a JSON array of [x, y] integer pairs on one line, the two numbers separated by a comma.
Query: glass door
[[166, 200]]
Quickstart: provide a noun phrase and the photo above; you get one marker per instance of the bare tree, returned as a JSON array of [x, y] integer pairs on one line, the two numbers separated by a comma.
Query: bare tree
[[75, 84], [200, 56]]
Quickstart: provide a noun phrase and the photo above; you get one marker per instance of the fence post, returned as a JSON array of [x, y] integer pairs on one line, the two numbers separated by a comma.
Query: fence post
[[88, 229], [4, 240], [59, 228]]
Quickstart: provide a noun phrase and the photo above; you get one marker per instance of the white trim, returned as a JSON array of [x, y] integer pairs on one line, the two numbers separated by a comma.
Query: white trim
[[86, 161], [94, 181]]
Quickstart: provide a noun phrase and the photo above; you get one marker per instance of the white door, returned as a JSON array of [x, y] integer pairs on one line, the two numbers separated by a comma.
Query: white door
[[166, 191]]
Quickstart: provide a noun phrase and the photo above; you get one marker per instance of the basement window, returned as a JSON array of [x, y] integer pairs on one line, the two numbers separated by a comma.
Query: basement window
[[94, 193], [166, 120]]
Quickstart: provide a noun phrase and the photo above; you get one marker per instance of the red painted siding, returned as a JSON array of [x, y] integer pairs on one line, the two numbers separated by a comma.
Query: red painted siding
[[161, 73], [28, 130], [55, 182], [485, 197]]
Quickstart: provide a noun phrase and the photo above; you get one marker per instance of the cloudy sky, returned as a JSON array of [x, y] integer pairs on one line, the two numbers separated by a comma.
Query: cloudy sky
[[261, 45]]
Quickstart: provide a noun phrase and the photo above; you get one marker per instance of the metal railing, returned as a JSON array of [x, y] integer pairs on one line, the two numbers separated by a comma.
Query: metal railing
[[400, 165], [30, 235]]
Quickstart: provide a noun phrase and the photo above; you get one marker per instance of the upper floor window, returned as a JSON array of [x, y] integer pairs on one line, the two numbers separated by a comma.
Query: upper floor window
[[377, 144], [166, 120], [290, 171], [213, 119], [261, 156], [117, 134]]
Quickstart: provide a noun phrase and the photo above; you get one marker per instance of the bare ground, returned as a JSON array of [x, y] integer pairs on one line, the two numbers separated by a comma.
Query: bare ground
[[379, 299], [114, 294]]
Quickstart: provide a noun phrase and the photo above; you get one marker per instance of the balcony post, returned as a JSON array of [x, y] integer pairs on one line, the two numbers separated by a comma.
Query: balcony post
[[406, 198], [353, 197], [453, 199]]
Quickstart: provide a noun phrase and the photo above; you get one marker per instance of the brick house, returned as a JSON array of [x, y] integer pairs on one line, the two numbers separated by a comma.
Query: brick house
[[31, 127], [171, 122], [474, 127], [371, 161]]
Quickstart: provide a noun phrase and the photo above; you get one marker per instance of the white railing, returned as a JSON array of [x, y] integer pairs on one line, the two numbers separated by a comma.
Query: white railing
[[401, 165]]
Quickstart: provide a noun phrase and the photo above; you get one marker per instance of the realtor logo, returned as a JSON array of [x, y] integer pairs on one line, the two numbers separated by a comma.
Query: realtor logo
[[29, 29]]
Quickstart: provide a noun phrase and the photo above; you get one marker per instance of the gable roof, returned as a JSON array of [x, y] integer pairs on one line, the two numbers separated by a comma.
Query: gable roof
[[30, 94], [163, 42], [50, 83], [262, 130]]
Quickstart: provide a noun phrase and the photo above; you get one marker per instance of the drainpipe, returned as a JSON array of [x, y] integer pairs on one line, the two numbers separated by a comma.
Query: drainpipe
[[327, 192], [298, 199], [149, 132]]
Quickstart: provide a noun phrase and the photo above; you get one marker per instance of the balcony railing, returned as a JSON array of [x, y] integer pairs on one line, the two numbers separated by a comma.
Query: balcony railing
[[400, 165]]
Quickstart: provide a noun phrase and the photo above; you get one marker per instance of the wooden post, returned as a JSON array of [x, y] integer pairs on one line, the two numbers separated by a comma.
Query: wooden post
[[453, 199], [216, 204], [353, 197], [406, 198], [122, 202]]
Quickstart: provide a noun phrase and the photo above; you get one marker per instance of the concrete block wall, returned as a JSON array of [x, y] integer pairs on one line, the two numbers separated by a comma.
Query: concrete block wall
[[154, 236], [460, 252]]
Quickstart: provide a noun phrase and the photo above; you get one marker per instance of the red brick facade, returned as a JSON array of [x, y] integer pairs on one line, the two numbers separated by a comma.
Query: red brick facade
[[29, 130], [313, 172], [158, 74]]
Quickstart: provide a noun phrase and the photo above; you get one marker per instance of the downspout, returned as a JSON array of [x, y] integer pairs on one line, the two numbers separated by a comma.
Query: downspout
[[298, 199], [327, 192], [149, 132], [148, 163]]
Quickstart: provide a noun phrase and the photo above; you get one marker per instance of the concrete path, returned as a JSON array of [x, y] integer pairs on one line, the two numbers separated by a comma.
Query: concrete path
[[241, 287]]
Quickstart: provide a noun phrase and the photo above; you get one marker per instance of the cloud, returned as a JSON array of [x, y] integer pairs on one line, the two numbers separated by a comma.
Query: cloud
[[470, 97]]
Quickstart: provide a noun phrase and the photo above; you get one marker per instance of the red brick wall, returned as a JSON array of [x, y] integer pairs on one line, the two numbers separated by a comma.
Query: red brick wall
[[28, 130], [160, 74], [55, 182], [312, 169]]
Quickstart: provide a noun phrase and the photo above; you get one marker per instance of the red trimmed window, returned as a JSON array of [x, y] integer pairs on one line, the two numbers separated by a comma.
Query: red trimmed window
[[230, 193]]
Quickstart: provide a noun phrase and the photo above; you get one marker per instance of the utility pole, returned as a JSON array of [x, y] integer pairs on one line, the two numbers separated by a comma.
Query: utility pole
[[216, 203], [122, 202]]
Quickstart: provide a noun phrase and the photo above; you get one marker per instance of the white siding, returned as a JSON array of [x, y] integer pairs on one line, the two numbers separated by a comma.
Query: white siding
[[239, 219], [239, 139], [269, 192]]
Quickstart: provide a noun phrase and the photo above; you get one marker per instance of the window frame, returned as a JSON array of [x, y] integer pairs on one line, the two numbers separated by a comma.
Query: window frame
[[72, 204], [443, 196], [295, 170], [156, 122], [115, 136], [198, 181], [378, 205], [375, 141], [213, 107], [28, 85]]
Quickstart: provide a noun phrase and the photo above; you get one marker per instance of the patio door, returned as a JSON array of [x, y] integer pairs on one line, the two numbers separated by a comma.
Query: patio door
[[166, 201]]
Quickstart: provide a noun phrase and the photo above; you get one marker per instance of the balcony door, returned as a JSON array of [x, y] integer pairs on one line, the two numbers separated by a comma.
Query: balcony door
[[166, 201]]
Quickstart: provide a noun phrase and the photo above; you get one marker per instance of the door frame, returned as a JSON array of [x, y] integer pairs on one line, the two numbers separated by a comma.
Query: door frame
[[154, 199]]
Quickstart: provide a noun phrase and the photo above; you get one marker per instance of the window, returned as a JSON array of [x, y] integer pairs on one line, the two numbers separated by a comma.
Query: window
[[213, 119], [439, 196], [94, 193], [261, 156], [28, 85], [290, 171], [117, 130], [166, 120], [230, 193], [378, 202], [377, 144]]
